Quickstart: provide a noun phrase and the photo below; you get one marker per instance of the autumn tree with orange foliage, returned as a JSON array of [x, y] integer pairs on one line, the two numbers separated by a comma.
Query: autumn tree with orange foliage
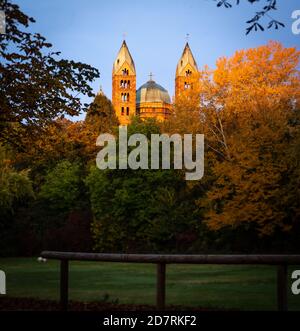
[[64, 139], [248, 109], [185, 116], [250, 116]]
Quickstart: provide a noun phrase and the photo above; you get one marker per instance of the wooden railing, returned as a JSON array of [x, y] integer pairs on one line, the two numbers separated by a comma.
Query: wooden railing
[[281, 261]]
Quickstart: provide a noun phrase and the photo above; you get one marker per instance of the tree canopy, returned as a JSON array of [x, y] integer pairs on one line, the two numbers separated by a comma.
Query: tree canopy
[[37, 85], [255, 23]]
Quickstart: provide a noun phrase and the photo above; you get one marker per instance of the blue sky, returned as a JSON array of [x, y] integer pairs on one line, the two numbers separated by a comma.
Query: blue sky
[[91, 31]]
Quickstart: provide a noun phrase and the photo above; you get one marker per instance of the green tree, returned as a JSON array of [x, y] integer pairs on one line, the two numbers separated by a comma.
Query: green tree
[[15, 186], [101, 115], [63, 189], [15, 192], [140, 210]]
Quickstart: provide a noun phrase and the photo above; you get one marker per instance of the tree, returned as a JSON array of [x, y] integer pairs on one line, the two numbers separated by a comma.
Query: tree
[[269, 7], [100, 118], [63, 188], [15, 186], [140, 210], [258, 80], [15, 192], [250, 110], [58, 218], [36, 85], [101, 115], [63, 139], [186, 113]]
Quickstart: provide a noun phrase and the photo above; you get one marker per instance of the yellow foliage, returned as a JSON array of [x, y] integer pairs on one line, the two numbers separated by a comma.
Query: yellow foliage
[[249, 101], [245, 108]]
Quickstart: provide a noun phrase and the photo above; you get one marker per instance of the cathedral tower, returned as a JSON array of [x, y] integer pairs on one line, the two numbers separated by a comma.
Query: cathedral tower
[[187, 73], [124, 85]]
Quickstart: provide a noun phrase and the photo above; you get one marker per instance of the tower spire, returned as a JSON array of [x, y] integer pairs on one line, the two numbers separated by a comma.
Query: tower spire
[[186, 72], [123, 57], [124, 85], [187, 58]]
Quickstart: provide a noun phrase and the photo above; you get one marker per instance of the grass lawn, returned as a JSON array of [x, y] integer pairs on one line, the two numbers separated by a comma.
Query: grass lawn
[[208, 286]]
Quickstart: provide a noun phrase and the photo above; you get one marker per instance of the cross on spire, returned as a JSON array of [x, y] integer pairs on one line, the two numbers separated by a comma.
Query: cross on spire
[[151, 76], [187, 37]]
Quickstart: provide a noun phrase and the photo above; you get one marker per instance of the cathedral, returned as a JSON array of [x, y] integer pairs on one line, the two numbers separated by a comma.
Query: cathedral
[[151, 99]]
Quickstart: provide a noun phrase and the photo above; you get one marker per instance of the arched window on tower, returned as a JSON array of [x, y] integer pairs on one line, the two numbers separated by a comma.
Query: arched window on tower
[[122, 111], [125, 72], [187, 85], [125, 84], [122, 83], [127, 111]]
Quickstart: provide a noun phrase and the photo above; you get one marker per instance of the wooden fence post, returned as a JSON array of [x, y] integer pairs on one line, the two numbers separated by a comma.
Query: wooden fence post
[[64, 284], [161, 286]]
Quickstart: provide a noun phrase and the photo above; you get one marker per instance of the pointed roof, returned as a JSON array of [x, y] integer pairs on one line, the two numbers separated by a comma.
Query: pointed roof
[[100, 92], [186, 58], [122, 57]]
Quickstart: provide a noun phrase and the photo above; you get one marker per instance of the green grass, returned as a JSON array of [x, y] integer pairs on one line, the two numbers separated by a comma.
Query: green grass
[[208, 286]]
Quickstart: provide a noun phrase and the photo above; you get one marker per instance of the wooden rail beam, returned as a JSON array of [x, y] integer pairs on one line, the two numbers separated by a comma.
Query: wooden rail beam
[[168, 258], [281, 261]]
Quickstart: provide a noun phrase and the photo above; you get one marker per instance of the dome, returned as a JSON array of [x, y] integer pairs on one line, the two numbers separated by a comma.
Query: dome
[[152, 92]]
